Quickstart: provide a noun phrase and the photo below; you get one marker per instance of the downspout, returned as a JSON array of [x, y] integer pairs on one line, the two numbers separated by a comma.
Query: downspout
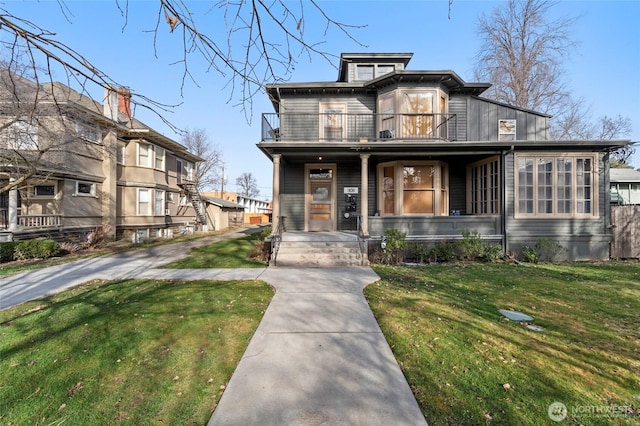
[[503, 205]]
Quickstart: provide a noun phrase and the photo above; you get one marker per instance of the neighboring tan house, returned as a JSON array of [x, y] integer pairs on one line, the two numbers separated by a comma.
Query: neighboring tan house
[[103, 170], [222, 214], [625, 186], [256, 211], [422, 152]]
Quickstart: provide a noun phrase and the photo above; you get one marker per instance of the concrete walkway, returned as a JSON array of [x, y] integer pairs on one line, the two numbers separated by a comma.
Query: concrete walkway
[[317, 357]]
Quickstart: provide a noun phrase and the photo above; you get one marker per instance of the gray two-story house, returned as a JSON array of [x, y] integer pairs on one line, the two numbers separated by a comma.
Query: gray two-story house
[[422, 152]]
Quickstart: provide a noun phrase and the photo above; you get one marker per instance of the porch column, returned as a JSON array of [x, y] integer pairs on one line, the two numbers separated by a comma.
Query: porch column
[[13, 207], [275, 203], [364, 199]]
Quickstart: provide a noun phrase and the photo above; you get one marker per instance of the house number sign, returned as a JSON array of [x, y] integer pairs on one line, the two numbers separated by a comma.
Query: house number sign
[[350, 189]]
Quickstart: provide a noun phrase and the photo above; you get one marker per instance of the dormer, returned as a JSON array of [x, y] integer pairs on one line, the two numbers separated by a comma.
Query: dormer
[[363, 67]]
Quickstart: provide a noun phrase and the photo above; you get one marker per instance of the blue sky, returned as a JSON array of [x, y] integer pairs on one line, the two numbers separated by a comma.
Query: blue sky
[[604, 70]]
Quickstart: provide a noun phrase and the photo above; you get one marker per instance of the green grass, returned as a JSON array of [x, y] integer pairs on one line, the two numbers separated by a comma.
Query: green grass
[[138, 352], [233, 253], [468, 365]]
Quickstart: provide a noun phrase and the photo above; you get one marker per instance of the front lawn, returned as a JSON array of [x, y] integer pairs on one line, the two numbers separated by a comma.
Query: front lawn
[[467, 364], [138, 352], [232, 253]]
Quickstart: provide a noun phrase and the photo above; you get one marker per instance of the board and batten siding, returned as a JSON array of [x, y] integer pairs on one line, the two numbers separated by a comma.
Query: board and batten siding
[[482, 121], [588, 238], [458, 106]]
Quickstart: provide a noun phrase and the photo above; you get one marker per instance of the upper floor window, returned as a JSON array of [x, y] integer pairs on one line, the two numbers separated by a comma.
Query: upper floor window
[[413, 114], [88, 132], [22, 135], [44, 191], [144, 154], [160, 156], [554, 185], [333, 116], [151, 156], [86, 189], [366, 72]]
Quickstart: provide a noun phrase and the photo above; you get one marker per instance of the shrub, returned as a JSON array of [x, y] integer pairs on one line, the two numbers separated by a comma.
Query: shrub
[[6, 250], [446, 251], [545, 249], [35, 249], [471, 246], [395, 245], [261, 247]]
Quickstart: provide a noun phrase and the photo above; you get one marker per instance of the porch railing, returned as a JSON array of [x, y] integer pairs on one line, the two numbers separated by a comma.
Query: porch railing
[[332, 127], [40, 221]]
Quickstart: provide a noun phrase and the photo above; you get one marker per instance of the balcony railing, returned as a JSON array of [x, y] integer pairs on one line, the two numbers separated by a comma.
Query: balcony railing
[[332, 127]]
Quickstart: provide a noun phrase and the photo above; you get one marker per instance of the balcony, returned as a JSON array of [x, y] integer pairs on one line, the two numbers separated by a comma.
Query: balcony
[[338, 127]]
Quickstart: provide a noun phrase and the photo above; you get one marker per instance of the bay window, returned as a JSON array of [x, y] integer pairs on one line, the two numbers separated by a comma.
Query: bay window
[[413, 188], [556, 185]]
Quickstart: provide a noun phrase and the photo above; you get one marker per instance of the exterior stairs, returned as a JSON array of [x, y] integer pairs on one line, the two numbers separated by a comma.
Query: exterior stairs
[[319, 250], [196, 201]]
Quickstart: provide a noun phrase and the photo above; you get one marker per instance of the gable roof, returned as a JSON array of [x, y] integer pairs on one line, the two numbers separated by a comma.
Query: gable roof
[[624, 175]]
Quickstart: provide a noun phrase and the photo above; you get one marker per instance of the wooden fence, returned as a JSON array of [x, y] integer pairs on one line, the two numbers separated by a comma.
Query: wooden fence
[[626, 232]]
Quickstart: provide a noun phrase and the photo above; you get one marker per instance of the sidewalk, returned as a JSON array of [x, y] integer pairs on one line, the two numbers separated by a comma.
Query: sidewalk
[[317, 357], [138, 263]]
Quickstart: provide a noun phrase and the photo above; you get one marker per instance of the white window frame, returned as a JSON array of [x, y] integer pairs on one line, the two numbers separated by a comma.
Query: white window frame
[[53, 185], [92, 192], [147, 192], [150, 154], [575, 201], [159, 203], [23, 136], [440, 188], [88, 133], [159, 158]]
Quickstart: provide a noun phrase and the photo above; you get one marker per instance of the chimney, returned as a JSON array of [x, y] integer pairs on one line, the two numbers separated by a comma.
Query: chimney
[[124, 101], [110, 104]]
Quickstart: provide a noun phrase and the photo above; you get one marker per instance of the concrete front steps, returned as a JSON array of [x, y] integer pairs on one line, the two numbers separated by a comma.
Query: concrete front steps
[[319, 250]]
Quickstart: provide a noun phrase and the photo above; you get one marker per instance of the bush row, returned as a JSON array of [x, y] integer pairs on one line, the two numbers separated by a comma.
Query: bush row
[[28, 249]]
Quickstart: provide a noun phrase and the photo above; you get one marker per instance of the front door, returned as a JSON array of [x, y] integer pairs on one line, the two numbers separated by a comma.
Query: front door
[[320, 197]]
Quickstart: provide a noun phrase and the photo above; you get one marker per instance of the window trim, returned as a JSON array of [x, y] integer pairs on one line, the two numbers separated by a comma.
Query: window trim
[[159, 204], [595, 189], [150, 154], [92, 192], [489, 200], [147, 191], [47, 196], [162, 159], [440, 188]]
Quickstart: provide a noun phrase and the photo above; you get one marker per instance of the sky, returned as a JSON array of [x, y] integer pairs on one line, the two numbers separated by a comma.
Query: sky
[[604, 69]]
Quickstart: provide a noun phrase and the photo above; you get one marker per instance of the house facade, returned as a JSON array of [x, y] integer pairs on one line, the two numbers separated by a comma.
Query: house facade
[[422, 152], [625, 186], [101, 168]]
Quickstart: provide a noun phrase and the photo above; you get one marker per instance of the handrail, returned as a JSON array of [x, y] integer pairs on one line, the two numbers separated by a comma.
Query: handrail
[[276, 239], [358, 127]]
